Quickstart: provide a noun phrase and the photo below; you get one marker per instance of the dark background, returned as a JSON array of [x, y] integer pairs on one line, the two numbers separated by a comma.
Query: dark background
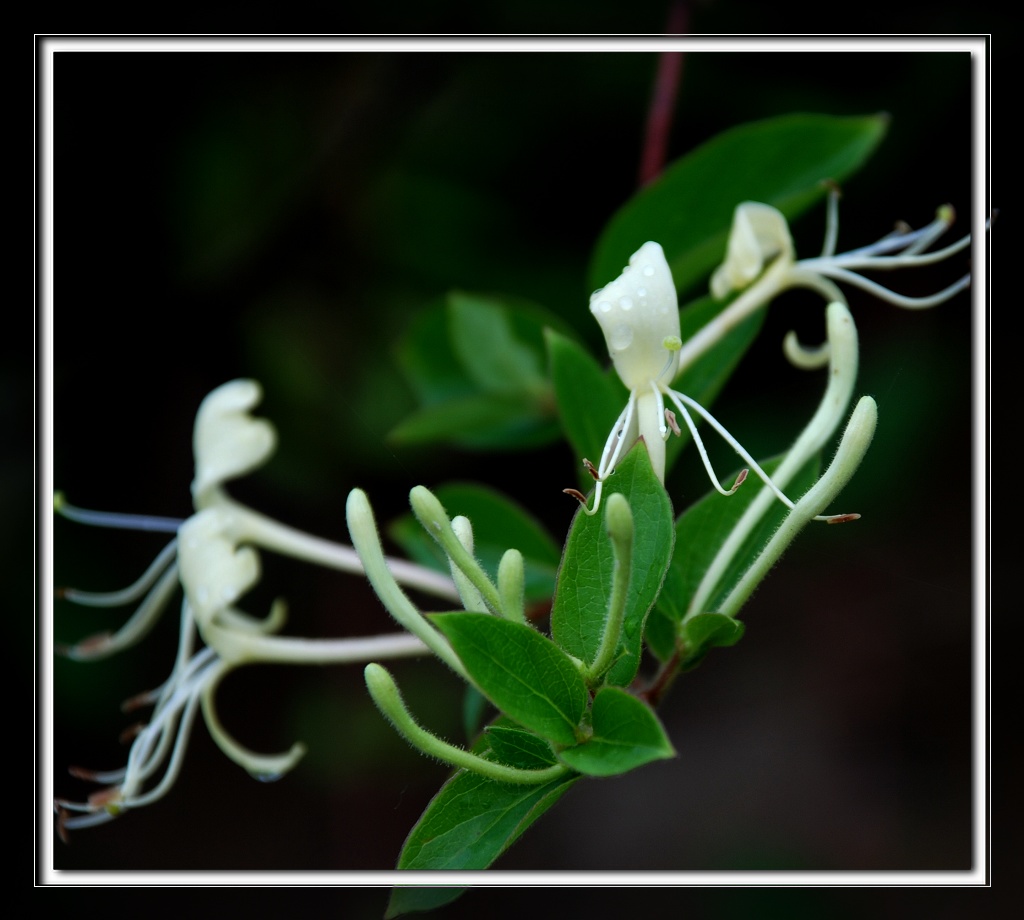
[[281, 216]]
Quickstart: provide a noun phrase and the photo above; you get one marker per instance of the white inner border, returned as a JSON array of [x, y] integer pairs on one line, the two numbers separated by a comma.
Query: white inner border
[[977, 45]]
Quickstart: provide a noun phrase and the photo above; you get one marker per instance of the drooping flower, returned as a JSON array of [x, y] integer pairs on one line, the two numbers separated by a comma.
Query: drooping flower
[[761, 263], [214, 557]]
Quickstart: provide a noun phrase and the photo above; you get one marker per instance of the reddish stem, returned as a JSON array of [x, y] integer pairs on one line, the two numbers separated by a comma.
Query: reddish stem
[[663, 98]]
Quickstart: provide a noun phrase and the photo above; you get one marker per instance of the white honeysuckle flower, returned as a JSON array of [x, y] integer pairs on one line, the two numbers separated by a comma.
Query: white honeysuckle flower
[[759, 234], [761, 263], [639, 315], [214, 557]]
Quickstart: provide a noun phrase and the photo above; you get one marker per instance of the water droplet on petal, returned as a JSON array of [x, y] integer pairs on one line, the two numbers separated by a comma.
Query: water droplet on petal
[[604, 306], [626, 303], [622, 337], [648, 270]]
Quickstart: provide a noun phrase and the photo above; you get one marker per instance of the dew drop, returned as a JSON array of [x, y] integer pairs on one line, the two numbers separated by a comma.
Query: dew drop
[[604, 306], [648, 270], [626, 303], [641, 292], [622, 337]]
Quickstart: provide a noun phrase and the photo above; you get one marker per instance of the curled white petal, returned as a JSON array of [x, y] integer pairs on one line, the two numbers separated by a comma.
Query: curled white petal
[[215, 571], [759, 234], [227, 441]]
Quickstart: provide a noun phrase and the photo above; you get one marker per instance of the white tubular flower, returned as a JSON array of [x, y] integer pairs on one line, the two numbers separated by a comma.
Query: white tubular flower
[[227, 440], [639, 316], [761, 263], [759, 234], [215, 559]]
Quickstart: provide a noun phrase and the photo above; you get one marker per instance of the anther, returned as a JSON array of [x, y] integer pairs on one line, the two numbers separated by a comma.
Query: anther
[[739, 480], [842, 518], [670, 417]]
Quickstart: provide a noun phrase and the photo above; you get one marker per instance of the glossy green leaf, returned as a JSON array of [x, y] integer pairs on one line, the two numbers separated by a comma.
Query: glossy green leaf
[[584, 578], [627, 735], [688, 210], [521, 671], [469, 823], [499, 524]]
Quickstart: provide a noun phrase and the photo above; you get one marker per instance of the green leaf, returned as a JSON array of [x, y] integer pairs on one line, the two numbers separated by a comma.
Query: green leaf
[[627, 734], [479, 421], [477, 366], [522, 672], [704, 378], [689, 209], [585, 575], [499, 524], [705, 631], [469, 823], [488, 348], [589, 399], [519, 748], [427, 359], [700, 534]]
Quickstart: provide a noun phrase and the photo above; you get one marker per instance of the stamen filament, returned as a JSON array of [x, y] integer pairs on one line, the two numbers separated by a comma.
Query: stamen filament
[[899, 300], [126, 595], [114, 519], [680, 398], [137, 626]]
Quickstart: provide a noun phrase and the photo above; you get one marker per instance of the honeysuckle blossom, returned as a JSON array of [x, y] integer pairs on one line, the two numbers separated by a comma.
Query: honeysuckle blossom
[[761, 263], [638, 314], [214, 557]]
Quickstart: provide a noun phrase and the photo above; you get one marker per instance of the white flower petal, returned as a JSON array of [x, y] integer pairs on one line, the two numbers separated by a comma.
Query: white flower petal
[[638, 313], [228, 442], [215, 571], [759, 234]]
